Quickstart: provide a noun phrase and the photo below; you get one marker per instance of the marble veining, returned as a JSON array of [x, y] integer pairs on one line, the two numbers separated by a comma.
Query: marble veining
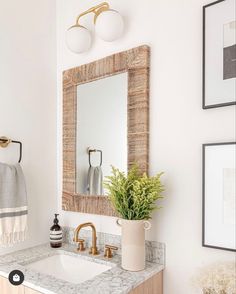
[[114, 281], [155, 251]]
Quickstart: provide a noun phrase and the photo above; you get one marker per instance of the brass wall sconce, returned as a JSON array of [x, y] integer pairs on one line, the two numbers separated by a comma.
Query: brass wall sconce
[[108, 23]]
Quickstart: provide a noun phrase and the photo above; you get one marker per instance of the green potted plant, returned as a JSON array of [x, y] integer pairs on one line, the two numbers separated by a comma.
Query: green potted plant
[[134, 197]]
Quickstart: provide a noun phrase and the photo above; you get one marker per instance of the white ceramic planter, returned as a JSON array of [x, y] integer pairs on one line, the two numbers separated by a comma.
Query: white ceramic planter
[[133, 243]]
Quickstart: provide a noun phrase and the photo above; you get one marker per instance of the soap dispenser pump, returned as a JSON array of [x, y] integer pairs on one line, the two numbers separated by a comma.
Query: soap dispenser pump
[[55, 234]]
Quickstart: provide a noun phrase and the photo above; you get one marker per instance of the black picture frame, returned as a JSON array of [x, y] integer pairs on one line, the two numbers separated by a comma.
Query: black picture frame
[[203, 195], [204, 106]]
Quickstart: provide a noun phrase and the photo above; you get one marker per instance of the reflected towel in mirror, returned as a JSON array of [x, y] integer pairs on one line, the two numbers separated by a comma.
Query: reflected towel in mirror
[[95, 181]]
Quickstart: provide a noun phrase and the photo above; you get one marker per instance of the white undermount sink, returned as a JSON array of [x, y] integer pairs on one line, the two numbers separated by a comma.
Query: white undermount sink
[[73, 269]]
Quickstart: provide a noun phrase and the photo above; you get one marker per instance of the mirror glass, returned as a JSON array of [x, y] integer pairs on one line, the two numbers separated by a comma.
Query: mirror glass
[[101, 132]]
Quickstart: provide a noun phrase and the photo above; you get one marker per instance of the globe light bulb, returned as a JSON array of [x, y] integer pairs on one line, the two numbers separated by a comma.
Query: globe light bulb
[[78, 39], [109, 25]]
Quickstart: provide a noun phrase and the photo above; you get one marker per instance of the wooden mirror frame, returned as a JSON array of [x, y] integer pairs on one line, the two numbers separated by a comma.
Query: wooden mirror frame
[[137, 63]]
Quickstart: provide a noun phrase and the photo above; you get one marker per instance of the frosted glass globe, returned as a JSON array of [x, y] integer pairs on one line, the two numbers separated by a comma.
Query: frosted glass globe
[[109, 25], [78, 39]]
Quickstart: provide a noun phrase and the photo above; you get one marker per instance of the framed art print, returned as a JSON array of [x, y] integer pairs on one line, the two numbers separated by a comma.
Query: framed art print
[[219, 199], [219, 54]]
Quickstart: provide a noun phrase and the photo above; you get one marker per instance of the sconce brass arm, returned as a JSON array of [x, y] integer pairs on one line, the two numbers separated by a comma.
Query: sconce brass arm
[[95, 9]]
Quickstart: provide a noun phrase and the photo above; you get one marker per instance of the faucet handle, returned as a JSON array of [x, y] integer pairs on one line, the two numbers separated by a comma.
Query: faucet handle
[[108, 250], [81, 246]]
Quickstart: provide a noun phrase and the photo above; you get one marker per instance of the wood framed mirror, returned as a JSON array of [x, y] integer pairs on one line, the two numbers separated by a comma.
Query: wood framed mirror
[[132, 70]]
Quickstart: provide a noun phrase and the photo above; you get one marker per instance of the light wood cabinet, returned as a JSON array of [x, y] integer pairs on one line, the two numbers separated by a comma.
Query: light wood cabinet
[[31, 291], [154, 285], [7, 288]]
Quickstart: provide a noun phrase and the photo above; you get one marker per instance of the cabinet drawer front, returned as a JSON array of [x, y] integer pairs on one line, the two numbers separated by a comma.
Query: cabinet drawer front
[[154, 285], [31, 291], [7, 288]]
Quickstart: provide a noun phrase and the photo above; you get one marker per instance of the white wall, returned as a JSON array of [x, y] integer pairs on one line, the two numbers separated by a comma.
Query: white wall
[[179, 126], [28, 104]]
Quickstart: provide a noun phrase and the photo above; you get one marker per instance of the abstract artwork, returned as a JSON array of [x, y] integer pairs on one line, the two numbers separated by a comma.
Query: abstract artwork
[[229, 68]]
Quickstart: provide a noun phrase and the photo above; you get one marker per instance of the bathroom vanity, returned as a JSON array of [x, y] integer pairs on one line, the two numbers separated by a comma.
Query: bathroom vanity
[[57, 271]]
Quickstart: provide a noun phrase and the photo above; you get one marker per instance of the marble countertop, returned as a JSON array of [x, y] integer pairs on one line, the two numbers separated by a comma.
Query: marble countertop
[[114, 281]]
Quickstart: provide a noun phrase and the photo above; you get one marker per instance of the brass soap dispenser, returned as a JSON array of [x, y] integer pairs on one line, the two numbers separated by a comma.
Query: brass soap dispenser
[[55, 234]]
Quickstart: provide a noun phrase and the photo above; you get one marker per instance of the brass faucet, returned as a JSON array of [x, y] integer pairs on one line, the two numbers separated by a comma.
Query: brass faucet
[[93, 250]]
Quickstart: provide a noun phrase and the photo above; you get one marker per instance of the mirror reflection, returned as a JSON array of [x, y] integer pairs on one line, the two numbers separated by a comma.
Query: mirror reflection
[[101, 131]]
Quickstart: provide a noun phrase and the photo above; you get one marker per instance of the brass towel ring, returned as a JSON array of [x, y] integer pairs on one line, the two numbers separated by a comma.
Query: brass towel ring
[[4, 142]]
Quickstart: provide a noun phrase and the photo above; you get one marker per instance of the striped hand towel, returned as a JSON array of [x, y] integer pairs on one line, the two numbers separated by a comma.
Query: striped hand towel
[[13, 204]]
